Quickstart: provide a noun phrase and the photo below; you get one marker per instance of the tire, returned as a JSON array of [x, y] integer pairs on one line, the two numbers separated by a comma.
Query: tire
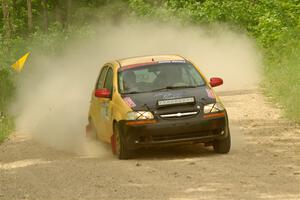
[[118, 145], [222, 146], [91, 131]]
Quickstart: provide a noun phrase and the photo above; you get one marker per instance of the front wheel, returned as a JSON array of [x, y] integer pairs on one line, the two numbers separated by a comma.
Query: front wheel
[[222, 146], [118, 145]]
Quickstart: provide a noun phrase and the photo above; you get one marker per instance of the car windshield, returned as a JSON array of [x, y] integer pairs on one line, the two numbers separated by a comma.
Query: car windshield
[[157, 77]]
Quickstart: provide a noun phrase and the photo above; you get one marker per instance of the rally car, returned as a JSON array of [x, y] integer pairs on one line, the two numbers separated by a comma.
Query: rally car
[[156, 100]]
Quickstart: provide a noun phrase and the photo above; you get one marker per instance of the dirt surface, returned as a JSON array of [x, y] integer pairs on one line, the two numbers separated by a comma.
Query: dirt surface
[[264, 163]]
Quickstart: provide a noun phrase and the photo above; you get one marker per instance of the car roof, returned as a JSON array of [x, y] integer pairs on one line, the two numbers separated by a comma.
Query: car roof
[[148, 59]]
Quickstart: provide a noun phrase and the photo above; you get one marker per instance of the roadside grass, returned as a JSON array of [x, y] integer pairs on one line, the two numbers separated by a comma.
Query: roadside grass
[[286, 91], [6, 94], [282, 80], [6, 127]]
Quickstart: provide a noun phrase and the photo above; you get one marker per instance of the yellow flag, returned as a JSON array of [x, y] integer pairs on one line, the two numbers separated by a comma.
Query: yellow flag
[[18, 66]]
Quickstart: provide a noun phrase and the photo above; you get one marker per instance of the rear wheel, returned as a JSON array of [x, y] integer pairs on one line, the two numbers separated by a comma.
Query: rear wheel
[[222, 146], [118, 145]]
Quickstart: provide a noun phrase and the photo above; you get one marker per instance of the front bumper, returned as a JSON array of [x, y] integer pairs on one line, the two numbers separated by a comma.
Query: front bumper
[[176, 131]]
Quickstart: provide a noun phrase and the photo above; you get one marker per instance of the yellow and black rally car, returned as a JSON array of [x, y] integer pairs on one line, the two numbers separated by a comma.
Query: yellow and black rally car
[[156, 100]]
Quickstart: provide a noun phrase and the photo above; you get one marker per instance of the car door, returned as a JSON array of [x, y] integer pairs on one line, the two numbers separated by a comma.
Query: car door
[[97, 105], [108, 105]]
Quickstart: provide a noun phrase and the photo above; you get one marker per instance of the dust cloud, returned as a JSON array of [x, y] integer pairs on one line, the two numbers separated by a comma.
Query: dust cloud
[[53, 94]]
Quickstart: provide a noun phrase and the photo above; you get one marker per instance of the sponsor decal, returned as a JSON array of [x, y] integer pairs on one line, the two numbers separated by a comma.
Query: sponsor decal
[[136, 65], [129, 102], [171, 61], [149, 63], [210, 93], [105, 110], [164, 61]]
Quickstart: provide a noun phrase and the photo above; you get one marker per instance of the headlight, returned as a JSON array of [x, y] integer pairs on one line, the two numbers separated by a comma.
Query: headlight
[[139, 115], [214, 107]]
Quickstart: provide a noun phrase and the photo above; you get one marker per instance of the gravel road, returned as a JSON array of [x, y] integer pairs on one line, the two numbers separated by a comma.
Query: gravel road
[[264, 163]]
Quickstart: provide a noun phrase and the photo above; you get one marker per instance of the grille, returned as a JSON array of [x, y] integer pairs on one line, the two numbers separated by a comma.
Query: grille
[[178, 115]]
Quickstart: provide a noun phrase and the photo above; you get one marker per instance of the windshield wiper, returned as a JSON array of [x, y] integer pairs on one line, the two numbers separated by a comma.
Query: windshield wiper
[[176, 87]]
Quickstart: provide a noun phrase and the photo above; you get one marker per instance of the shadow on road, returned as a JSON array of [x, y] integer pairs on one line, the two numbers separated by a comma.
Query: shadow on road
[[175, 152]]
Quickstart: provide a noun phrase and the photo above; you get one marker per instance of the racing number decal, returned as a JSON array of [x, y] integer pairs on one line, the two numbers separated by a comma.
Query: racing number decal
[[105, 110]]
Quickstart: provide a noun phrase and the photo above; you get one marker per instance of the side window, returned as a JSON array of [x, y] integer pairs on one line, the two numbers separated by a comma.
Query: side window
[[109, 80], [101, 78]]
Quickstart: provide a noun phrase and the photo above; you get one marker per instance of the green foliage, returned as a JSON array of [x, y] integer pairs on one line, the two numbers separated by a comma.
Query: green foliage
[[282, 73], [6, 126], [274, 24], [6, 88], [141, 8], [51, 42]]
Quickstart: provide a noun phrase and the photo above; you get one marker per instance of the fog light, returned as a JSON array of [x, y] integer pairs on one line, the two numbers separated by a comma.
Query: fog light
[[213, 108], [139, 115]]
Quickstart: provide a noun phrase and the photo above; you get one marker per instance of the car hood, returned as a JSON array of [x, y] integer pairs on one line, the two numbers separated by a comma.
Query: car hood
[[149, 100]]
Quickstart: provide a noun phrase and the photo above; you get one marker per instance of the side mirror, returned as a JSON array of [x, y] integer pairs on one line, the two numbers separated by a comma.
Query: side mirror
[[215, 81], [102, 93]]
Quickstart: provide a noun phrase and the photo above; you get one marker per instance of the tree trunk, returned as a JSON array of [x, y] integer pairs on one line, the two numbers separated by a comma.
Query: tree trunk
[[68, 12], [58, 12], [46, 18], [14, 5], [6, 18], [29, 14]]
